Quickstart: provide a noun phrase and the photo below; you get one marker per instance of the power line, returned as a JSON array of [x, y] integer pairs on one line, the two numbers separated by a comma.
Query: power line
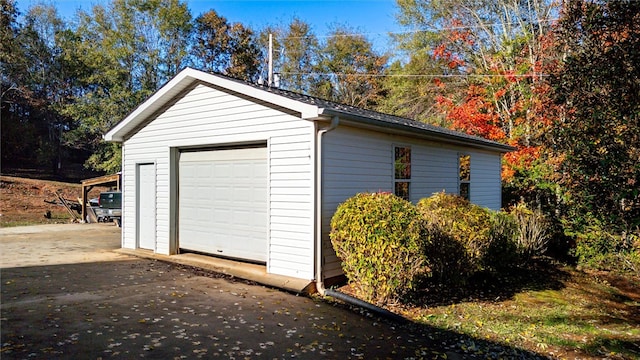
[[538, 21], [533, 75]]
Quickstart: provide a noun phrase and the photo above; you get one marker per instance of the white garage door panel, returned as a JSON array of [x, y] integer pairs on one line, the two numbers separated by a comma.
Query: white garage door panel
[[223, 202]]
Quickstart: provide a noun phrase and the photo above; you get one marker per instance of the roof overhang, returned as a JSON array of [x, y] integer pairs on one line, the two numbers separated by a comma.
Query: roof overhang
[[425, 134], [308, 110], [183, 81]]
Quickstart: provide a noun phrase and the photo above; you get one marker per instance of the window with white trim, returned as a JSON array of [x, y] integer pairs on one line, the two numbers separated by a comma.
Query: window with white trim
[[402, 171], [464, 184]]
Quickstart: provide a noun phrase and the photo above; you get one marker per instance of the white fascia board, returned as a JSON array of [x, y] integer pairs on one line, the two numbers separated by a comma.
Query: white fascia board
[[152, 104], [306, 110], [187, 77]]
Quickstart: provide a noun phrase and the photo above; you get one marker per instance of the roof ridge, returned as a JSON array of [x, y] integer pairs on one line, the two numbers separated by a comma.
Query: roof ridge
[[311, 107], [359, 111]]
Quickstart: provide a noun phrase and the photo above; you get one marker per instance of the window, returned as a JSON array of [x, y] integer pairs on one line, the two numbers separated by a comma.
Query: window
[[464, 166], [402, 177]]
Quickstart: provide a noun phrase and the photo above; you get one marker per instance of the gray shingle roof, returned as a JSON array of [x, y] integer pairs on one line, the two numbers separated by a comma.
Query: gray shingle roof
[[355, 116], [383, 120]]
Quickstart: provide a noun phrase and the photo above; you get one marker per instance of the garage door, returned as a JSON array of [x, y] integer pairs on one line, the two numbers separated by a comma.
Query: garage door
[[222, 202]]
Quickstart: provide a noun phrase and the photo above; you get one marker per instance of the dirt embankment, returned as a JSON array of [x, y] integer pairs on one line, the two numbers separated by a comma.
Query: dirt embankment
[[22, 201]]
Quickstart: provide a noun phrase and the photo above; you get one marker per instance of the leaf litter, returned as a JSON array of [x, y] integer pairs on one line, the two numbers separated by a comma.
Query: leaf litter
[[145, 308]]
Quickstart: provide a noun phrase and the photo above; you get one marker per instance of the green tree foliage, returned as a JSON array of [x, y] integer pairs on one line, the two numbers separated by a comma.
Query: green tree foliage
[[13, 101], [349, 70], [415, 79], [8, 16], [230, 49], [212, 42], [597, 130], [344, 68], [36, 83], [64, 85], [409, 93], [603, 247], [123, 52], [297, 52], [245, 55]]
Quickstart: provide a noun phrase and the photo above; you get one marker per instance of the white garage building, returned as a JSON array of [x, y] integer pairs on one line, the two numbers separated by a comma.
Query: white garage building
[[223, 167]]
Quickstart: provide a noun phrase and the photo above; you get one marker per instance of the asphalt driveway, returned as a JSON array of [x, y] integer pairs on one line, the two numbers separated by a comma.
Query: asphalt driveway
[[66, 295]]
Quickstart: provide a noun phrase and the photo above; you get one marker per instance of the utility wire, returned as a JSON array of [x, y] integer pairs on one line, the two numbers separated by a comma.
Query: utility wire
[[534, 75], [538, 21]]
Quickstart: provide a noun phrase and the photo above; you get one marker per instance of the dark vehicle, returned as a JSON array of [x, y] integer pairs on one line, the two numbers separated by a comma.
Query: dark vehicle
[[111, 206]]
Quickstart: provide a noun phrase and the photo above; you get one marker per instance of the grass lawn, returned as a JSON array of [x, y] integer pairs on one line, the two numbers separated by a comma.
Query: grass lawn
[[551, 309]]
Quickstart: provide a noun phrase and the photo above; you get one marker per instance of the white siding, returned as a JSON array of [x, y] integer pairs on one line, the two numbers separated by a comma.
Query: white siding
[[207, 117], [486, 185], [433, 169], [357, 161], [354, 160]]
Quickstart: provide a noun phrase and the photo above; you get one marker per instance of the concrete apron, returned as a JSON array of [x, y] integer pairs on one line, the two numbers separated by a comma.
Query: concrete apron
[[246, 271]]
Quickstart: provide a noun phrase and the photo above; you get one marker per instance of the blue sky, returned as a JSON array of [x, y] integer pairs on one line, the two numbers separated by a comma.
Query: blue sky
[[375, 18]]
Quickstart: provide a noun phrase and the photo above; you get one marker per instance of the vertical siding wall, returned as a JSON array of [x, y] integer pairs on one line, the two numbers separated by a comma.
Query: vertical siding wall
[[357, 161], [206, 117]]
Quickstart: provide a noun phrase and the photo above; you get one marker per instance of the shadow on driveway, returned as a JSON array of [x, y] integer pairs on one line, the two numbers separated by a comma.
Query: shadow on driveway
[[66, 295], [145, 308]]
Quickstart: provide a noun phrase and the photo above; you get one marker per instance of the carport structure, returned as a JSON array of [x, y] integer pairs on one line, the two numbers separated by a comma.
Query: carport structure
[[88, 184]]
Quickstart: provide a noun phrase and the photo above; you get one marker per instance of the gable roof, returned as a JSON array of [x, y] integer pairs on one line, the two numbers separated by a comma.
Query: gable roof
[[309, 108]]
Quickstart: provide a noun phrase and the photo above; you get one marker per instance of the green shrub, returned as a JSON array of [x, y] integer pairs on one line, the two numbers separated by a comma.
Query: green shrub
[[600, 248], [464, 238], [447, 258], [378, 237], [502, 252]]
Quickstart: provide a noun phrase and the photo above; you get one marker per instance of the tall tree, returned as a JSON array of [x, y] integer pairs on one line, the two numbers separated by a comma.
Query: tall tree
[[10, 54], [296, 54], [300, 54], [37, 86], [349, 70], [230, 49], [245, 54], [211, 49], [490, 54], [413, 86], [414, 80], [497, 43], [175, 26], [597, 132], [125, 51], [13, 92]]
